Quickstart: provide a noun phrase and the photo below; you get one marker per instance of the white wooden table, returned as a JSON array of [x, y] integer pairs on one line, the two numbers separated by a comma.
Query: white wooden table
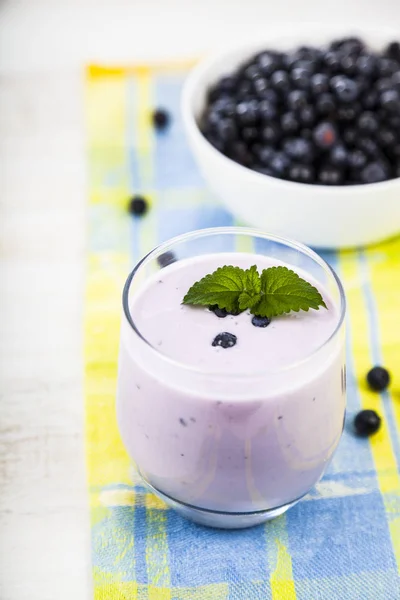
[[44, 532]]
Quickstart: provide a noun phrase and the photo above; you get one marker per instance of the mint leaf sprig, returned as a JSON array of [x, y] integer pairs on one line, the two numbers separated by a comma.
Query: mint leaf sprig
[[277, 291]]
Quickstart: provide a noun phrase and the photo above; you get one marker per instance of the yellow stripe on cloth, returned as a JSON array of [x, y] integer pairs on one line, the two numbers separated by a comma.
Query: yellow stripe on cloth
[[105, 278], [157, 553], [279, 560], [383, 264], [381, 445]]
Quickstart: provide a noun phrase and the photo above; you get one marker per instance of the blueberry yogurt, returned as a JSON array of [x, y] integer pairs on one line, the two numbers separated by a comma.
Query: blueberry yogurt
[[228, 412]]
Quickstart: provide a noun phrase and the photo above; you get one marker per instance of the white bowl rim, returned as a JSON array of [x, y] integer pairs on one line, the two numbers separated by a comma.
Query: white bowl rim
[[192, 81]]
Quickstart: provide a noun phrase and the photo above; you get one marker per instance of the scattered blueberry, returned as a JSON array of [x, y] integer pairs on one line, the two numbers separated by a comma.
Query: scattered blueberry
[[260, 321], [165, 259], [378, 378], [138, 206], [219, 312], [161, 118], [327, 116], [366, 423], [225, 340]]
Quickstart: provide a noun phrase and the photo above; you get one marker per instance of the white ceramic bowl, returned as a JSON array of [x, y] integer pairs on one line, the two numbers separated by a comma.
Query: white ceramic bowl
[[320, 216]]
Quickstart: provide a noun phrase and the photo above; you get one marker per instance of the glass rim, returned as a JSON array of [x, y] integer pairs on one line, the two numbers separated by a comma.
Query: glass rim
[[231, 230]]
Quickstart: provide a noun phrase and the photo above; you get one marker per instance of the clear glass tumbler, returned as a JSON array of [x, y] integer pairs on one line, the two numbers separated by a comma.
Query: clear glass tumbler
[[262, 439]]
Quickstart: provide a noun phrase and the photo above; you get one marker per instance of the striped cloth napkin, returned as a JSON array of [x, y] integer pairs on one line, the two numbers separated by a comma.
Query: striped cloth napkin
[[343, 541]]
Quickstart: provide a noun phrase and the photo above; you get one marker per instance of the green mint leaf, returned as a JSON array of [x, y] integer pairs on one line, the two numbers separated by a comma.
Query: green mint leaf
[[251, 294], [223, 288], [282, 291]]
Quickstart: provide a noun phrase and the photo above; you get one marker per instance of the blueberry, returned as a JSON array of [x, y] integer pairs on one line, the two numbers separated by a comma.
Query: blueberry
[[367, 422], [240, 153], [319, 83], [270, 95], [260, 85], [378, 378], [296, 99], [247, 112], [244, 89], [348, 45], [224, 106], [226, 130], [263, 170], [165, 259], [390, 101], [367, 123], [325, 104], [299, 149], [138, 206], [348, 64], [330, 175], [369, 146], [386, 137], [396, 80], [306, 133], [252, 72], [271, 133], [325, 135], [387, 67], [307, 115], [366, 65], [267, 110], [370, 99], [339, 156], [374, 172], [302, 173], [161, 118], [383, 85], [228, 84], [332, 61], [225, 340], [393, 51], [345, 89], [268, 63], [260, 321], [249, 134], [219, 312], [216, 142], [348, 112], [301, 78], [289, 123], [280, 163], [265, 155], [357, 159], [280, 81], [350, 136], [310, 54]]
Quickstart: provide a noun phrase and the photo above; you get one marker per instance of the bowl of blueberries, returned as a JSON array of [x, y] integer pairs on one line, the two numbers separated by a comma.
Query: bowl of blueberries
[[299, 134]]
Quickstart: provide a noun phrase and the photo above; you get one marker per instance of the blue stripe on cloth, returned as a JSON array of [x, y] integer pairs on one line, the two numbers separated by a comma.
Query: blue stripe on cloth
[[175, 169], [349, 524], [236, 555]]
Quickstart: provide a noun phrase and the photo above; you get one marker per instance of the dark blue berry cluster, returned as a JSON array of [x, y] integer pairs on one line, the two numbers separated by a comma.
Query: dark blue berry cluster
[[323, 116]]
